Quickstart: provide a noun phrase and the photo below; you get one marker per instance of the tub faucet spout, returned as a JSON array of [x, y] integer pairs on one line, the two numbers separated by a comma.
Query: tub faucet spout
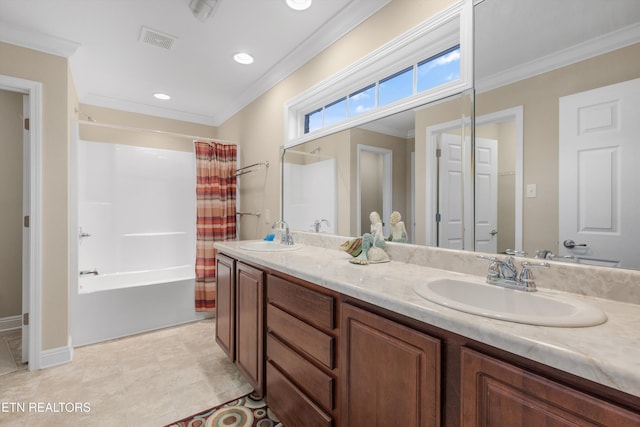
[[93, 272]]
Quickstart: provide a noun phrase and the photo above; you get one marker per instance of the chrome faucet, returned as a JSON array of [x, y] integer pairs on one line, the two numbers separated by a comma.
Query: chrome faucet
[[317, 224], [505, 274], [286, 239]]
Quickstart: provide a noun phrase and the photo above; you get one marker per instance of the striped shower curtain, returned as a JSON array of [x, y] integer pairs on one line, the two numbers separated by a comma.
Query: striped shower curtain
[[216, 213]]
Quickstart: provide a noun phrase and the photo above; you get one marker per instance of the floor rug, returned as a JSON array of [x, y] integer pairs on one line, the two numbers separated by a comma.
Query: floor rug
[[245, 411], [7, 364]]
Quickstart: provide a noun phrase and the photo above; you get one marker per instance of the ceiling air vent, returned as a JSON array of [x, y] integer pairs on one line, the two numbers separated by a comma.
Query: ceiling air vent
[[157, 38]]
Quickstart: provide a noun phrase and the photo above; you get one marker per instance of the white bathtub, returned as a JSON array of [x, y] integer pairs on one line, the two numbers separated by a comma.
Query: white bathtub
[[111, 281], [137, 206]]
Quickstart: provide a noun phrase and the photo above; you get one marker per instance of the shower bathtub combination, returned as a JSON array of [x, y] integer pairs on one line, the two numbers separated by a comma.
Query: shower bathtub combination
[[136, 213]]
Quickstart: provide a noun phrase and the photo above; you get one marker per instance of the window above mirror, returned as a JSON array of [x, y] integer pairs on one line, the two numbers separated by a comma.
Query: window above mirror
[[430, 62], [424, 75]]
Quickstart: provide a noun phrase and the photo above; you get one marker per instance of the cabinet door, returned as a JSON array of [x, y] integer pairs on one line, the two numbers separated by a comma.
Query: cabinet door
[[250, 324], [225, 304], [498, 394], [389, 373]]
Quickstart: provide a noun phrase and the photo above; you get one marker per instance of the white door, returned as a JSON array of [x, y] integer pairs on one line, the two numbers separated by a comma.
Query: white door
[[26, 231], [486, 192], [450, 193], [599, 175]]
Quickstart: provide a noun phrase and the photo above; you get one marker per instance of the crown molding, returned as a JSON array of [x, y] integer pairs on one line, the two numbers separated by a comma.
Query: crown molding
[[32, 39], [588, 49], [151, 110]]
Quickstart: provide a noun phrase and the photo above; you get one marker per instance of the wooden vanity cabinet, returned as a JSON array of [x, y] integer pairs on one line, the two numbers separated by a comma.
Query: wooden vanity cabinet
[[301, 340], [390, 373], [498, 394], [250, 325], [226, 304], [323, 359], [240, 317]]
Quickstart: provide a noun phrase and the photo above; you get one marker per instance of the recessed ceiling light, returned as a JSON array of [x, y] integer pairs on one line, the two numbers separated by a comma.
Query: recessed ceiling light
[[243, 58], [299, 4], [162, 96]]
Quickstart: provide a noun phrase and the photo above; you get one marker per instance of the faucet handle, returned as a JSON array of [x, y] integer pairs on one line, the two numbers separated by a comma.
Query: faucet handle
[[494, 266], [515, 252]]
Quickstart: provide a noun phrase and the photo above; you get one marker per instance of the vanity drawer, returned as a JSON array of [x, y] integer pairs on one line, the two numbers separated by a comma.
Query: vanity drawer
[[301, 335], [304, 303], [318, 385], [294, 408]]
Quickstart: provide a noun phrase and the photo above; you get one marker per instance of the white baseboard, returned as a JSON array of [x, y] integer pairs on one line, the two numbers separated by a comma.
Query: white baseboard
[[56, 356], [10, 322]]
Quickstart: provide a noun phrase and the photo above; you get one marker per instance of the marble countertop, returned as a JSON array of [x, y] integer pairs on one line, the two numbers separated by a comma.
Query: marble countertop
[[608, 354]]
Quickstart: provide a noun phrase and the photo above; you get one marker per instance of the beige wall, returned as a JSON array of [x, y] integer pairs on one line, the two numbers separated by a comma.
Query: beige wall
[[260, 126], [52, 72], [398, 146], [11, 206]]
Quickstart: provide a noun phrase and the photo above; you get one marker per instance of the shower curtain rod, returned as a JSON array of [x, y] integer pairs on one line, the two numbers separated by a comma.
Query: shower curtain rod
[[310, 154], [161, 132], [244, 170]]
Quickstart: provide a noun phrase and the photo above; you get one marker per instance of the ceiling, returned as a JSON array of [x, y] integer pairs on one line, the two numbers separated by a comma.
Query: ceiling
[[112, 68]]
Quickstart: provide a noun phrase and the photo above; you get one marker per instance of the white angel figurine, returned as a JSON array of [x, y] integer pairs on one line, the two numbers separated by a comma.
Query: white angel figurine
[[398, 230], [376, 227]]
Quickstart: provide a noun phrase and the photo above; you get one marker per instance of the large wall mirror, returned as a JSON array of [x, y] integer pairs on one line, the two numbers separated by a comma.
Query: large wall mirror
[[550, 158]]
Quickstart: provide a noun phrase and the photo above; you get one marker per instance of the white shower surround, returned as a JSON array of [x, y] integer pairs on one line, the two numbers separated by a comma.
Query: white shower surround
[[138, 205], [311, 195]]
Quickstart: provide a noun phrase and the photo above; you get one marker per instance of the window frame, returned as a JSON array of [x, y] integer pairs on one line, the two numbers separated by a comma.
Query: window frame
[[447, 29]]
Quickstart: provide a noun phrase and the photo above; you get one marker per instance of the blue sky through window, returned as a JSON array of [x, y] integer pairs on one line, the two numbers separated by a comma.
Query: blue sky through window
[[398, 86], [313, 121], [362, 101], [335, 112], [439, 70]]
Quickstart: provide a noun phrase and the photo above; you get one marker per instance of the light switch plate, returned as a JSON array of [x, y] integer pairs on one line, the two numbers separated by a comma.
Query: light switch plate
[[531, 191]]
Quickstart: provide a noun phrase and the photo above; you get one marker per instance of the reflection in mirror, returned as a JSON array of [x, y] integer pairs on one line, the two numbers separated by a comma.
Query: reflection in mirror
[[344, 176], [310, 196], [539, 75], [571, 80]]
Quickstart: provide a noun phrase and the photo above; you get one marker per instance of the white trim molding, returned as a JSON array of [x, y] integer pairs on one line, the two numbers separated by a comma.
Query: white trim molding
[[10, 322], [34, 90], [56, 356], [28, 37]]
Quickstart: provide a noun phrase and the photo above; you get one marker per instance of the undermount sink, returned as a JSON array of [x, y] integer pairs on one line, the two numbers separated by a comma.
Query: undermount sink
[[267, 246], [533, 308]]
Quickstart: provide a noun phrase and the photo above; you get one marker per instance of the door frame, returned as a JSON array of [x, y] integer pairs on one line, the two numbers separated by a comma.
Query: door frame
[[517, 115], [432, 143], [33, 90], [387, 186]]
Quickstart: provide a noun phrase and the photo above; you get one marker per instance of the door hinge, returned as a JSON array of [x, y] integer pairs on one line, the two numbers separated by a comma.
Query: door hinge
[[26, 124], [25, 319], [438, 152], [438, 217], [26, 221]]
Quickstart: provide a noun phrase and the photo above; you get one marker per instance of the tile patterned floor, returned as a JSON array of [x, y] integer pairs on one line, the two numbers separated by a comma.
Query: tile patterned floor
[[145, 380]]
